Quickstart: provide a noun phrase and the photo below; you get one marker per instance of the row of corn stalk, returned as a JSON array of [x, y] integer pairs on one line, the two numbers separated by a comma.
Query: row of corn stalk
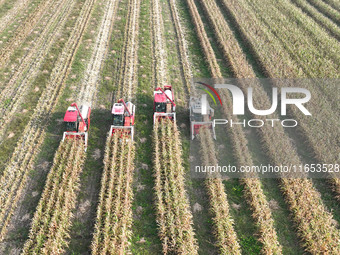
[[226, 238], [174, 217], [333, 4], [313, 50], [314, 222], [16, 9], [114, 213], [23, 77], [52, 219], [327, 10], [15, 174], [253, 190], [321, 19], [278, 64], [24, 29]]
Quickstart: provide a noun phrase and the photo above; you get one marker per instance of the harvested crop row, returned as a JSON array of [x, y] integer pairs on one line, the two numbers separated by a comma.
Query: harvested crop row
[[92, 73], [319, 18], [225, 234], [52, 219], [24, 30], [282, 152], [160, 76], [128, 66], [15, 174], [204, 40], [327, 10], [21, 81], [182, 44], [19, 6], [114, 213], [173, 211], [253, 190], [278, 64]]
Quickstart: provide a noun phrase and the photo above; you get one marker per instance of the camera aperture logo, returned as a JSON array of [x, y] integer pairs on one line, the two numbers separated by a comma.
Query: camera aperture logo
[[288, 96]]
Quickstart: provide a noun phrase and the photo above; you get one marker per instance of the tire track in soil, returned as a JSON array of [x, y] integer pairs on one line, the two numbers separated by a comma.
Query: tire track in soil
[[21, 81], [15, 174]]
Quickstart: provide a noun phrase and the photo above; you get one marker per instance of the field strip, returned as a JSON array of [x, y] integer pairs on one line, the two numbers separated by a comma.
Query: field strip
[[326, 10], [11, 14], [52, 219], [227, 241], [173, 209], [303, 199], [116, 186], [114, 213], [323, 119], [24, 29], [15, 174], [319, 18], [21, 81], [253, 191], [128, 66], [175, 227], [42, 238]]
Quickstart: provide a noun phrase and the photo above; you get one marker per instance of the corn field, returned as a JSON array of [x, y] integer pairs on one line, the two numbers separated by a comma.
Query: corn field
[[114, 213], [124, 196], [52, 219]]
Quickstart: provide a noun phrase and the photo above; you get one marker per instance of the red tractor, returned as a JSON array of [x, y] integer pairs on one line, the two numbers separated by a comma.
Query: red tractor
[[77, 121], [123, 117], [164, 104], [200, 115]]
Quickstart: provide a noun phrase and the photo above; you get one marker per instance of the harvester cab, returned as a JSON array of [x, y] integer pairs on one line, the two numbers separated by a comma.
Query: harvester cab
[[77, 122], [164, 104], [200, 115], [123, 117]]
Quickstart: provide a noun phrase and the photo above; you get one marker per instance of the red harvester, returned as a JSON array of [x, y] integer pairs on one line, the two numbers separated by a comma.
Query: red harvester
[[123, 117], [164, 104], [77, 121]]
